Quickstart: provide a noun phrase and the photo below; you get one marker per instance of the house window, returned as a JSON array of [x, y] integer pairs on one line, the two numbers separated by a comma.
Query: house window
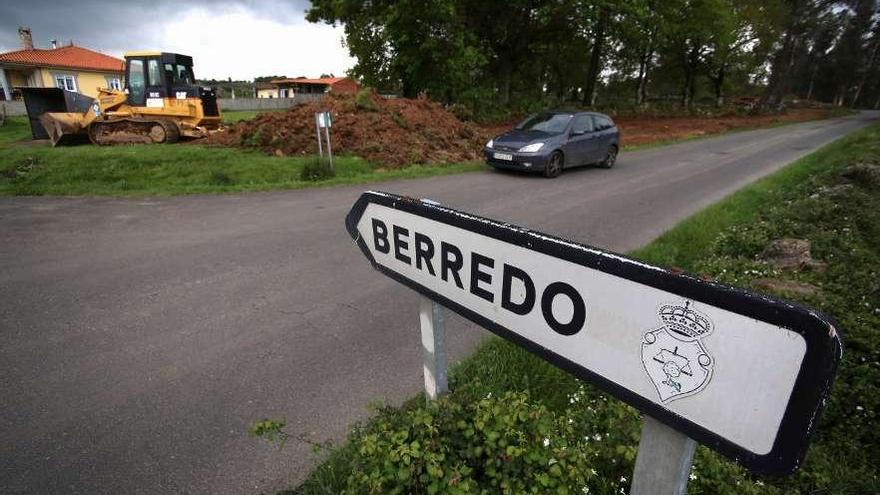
[[65, 81], [114, 83]]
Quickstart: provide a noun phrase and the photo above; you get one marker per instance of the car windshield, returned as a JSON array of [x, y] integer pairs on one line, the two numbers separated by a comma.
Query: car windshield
[[551, 123]]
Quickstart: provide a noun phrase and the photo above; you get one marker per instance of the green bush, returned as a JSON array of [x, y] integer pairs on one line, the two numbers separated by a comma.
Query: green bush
[[365, 100], [501, 444], [315, 170]]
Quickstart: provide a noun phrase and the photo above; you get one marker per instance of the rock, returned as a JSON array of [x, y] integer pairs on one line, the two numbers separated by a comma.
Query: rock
[[866, 174], [787, 254], [833, 191], [279, 152], [785, 286]]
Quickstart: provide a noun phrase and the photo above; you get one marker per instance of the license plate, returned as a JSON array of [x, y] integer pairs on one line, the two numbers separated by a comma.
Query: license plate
[[502, 156]]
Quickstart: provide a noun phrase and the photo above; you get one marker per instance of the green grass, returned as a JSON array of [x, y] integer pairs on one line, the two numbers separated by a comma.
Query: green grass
[[721, 241], [34, 169], [38, 169]]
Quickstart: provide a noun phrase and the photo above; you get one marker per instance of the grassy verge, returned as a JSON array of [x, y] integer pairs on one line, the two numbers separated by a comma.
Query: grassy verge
[[35, 169], [513, 422], [164, 170]]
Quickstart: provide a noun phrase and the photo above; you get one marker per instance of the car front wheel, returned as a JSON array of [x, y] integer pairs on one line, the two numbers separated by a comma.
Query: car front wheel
[[610, 158], [554, 165]]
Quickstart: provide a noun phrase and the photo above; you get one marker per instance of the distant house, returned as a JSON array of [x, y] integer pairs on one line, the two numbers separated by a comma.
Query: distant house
[[69, 67], [265, 90], [289, 88]]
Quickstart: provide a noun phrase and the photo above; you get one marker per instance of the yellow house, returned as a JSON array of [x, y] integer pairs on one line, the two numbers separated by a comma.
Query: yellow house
[[69, 67]]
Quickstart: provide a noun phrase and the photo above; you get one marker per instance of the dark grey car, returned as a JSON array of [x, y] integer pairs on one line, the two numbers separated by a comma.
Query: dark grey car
[[553, 140]]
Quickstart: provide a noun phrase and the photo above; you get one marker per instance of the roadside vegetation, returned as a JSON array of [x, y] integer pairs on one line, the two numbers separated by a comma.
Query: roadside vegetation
[[28, 168], [273, 150], [514, 424], [635, 56]]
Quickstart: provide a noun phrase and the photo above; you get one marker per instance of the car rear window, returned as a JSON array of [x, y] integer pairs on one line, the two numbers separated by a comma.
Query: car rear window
[[552, 123], [603, 122]]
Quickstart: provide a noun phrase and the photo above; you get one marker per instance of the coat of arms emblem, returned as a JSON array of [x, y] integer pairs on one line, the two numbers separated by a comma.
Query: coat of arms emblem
[[674, 356]]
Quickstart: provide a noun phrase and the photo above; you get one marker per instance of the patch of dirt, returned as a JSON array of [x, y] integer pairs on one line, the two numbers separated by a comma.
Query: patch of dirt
[[400, 132], [647, 130], [792, 254], [866, 174], [393, 132]]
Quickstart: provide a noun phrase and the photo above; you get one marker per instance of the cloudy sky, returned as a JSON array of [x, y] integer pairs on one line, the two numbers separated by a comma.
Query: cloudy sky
[[227, 38]]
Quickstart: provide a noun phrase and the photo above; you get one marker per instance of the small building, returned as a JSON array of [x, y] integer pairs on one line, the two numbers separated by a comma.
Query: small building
[[68, 67], [289, 88], [265, 90]]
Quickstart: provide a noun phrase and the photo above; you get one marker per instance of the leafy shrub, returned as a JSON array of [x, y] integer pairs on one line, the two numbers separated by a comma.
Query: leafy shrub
[[503, 445], [271, 430], [364, 100], [315, 170]]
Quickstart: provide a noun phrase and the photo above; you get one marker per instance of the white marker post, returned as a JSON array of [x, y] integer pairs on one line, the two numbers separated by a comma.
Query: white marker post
[[318, 133], [664, 460], [433, 328], [328, 122], [742, 373]]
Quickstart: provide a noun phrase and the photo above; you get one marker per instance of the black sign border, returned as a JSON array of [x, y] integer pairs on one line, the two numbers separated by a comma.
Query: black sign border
[[811, 388]]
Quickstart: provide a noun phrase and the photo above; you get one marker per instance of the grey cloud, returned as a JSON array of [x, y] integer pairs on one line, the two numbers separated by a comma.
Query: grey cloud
[[117, 26]]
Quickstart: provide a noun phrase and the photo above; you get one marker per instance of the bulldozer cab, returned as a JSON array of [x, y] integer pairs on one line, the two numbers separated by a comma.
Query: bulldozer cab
[[151, 76]]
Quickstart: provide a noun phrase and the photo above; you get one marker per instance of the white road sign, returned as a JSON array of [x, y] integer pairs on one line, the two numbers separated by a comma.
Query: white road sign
[[740, 372]]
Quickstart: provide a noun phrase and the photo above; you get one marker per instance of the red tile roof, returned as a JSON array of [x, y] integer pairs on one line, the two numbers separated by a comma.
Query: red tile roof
[[302, 80], [70, 56]]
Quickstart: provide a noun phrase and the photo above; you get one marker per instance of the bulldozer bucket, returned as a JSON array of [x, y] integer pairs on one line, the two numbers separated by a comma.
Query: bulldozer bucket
[[64, 128], [56, 114]]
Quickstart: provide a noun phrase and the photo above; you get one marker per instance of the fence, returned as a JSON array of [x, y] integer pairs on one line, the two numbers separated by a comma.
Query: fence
[[266, 103], [13, 108], [16, 107]]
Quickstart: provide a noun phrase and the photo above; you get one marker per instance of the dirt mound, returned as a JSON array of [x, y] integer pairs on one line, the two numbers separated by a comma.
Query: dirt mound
[[647, 130], [393, 132]]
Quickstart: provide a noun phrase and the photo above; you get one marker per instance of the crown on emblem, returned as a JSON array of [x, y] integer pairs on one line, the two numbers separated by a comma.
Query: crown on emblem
[[684, 321]]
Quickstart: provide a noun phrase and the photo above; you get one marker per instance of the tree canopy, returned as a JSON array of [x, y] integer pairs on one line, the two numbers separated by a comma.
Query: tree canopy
[[622, 53]]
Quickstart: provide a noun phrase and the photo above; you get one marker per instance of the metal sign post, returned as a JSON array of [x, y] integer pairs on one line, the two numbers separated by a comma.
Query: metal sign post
[[325, 121], [433, 328], [742, 373], [318, 132], [329, 123], [664, 460]]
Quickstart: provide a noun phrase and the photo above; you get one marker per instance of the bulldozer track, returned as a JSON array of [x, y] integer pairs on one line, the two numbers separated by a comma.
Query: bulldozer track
[[133, 131]]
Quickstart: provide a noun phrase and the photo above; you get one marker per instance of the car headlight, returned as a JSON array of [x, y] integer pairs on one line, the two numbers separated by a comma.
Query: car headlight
[[490, 143], [531, 148]]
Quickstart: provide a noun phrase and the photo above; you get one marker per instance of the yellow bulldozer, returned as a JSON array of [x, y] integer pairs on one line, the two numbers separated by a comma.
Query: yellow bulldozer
[[159, 103]]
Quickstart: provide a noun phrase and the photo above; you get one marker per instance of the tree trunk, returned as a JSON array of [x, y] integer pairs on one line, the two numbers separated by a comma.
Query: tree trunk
[[783, 61], [690, 75], [642, 81], [596, 57], [867, 73], [812, 82], [718, 83]]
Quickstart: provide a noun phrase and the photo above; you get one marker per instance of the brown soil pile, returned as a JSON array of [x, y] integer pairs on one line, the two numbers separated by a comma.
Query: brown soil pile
[[394, 133], [646, 130]]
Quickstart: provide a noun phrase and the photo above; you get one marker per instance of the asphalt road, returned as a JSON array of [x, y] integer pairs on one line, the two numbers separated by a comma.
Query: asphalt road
[[141, 337]]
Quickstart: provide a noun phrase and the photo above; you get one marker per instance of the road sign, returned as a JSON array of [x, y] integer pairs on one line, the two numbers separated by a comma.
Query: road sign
[[323, 119], [742, 373]]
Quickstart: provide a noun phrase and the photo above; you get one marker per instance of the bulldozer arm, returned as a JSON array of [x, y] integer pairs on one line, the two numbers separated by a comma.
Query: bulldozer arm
[[56, 114]]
